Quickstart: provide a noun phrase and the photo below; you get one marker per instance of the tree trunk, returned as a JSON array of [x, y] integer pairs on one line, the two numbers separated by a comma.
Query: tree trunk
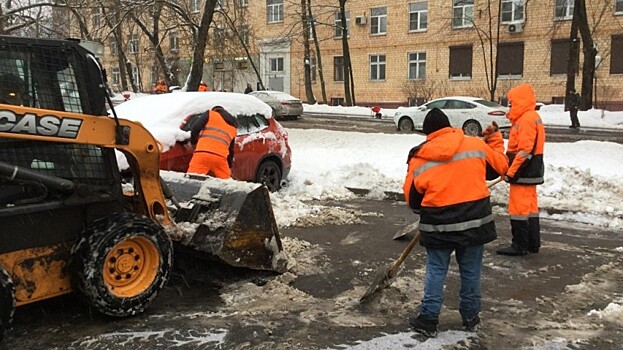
[[589, 52], [201, 39], [306, 54], [572, 61], [345, 54], [318, 54]]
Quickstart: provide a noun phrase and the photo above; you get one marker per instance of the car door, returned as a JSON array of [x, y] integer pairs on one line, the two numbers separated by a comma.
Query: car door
[[419, 115]]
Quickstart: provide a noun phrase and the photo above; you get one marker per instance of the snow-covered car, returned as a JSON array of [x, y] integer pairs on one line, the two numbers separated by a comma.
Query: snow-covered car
[[284, 105], [472, 114], [261, 154]]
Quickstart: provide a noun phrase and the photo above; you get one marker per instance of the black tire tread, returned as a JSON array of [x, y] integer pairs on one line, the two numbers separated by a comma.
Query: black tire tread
[[90, 251], [7, 301]]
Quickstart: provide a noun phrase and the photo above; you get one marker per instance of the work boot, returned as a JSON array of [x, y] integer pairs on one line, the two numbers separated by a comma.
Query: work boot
[[534, 234], [424, 326], [471, 325], [512, 250]]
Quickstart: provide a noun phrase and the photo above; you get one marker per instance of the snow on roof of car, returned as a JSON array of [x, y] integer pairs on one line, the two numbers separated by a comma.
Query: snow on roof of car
[[276, 94], [163, 114]]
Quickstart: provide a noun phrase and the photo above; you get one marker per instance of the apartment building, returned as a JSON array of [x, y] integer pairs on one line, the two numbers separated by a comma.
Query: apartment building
[[402, 52]]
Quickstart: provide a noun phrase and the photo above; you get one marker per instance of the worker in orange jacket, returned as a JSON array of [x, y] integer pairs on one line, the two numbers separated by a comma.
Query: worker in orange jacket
[[446, 185], [214, 152], [525, 153], [203, 86], [161, 87]]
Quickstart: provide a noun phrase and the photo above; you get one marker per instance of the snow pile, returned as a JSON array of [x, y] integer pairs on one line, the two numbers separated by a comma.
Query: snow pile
[[613, 312]]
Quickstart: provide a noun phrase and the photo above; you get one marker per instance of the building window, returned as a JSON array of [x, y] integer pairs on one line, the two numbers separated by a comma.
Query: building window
[[337, 101], [312, 68], [274, 11], [219, 37], [195, 5], [243, 31], [113, 46], [377, 67], [512, 10], [462, 13], [276, 64], [618, 6], [219, 65], [560, 57], [244, 3], [564, 9], [616, 57], [378, 20], [135, 77], [417, 65], [97, 17], [133, 43], [116, 76], [418, 16], [339, 31], [338, 68], [461, 62], [219, 5], [510, 59], [174, 41]]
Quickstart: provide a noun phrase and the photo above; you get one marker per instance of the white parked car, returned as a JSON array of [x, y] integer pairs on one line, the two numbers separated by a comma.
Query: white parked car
[[472, 114]]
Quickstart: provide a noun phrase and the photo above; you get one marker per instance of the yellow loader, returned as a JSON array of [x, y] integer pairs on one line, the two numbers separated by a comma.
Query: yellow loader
[[70, 222]]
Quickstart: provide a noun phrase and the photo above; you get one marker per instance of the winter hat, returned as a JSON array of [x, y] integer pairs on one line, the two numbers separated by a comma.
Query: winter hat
[[435, 120]]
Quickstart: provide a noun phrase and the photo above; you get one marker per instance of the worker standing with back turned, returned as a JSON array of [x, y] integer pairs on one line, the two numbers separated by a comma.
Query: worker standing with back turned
[[446, 184], [214, 152], [525, 153]]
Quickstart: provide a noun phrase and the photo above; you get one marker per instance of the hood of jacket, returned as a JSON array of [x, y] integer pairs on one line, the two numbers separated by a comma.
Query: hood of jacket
[[442, 144], [522, 100]]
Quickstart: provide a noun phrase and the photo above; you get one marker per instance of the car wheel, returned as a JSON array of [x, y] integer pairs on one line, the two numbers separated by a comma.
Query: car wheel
[[269, 174], [472, 128], [121, 263], [7, 301], [405, 124]]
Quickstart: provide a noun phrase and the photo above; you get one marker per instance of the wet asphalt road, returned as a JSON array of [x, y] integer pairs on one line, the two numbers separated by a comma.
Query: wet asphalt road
[[540, 296], [387, 126]]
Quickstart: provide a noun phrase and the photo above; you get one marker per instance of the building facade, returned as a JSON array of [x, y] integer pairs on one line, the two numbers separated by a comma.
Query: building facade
[[402, 52]]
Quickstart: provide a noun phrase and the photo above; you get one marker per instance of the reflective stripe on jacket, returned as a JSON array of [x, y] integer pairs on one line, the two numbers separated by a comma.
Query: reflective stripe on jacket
[[526, 139], [216, 136], [446, 183]]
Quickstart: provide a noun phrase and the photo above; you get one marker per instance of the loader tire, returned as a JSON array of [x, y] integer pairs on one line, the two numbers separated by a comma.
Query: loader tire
[[7, 301], [269, 174], [121, 262]]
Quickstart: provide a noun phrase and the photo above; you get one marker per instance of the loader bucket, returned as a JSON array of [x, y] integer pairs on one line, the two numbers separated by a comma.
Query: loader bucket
[[229, 219]]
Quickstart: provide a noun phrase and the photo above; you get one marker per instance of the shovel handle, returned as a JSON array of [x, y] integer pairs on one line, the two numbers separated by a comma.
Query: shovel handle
[[404, 255], [495, 182]]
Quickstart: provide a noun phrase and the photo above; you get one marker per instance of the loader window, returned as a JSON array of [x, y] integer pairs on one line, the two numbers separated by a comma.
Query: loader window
[[85, 164], [50, 76]]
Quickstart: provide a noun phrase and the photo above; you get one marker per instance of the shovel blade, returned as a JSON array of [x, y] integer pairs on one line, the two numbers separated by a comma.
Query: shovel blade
[[405, 230]]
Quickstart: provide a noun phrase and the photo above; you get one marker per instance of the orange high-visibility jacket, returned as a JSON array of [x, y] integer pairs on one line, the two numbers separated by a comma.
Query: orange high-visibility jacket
[[446, 183], [217, 136], [527, 138]]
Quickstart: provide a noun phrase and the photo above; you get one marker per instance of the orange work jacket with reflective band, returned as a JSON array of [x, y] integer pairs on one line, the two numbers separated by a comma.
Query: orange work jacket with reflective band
[[526, 139], [446, 183], [216, 135]]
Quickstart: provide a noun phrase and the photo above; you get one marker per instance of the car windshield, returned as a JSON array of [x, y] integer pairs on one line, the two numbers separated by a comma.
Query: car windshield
[[488, 103]]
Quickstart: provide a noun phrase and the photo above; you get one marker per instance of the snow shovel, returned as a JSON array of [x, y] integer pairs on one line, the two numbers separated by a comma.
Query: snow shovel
[[414, 226], [384, 276]]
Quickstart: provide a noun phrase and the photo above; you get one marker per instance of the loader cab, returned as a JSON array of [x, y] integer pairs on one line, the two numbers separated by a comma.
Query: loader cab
[[54, 74]]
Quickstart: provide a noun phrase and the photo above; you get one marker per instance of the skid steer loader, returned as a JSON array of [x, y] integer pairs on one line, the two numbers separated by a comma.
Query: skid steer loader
[[69, 221]]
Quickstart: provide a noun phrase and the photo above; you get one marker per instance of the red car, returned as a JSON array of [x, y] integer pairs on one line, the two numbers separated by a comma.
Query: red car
[[262, 153]]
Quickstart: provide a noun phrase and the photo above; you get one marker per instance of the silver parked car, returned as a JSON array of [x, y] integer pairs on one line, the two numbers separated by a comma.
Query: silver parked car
[[284, 106], [472, 114]]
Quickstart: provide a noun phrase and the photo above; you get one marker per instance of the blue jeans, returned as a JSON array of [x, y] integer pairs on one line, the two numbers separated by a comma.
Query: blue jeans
[[437, 262]]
